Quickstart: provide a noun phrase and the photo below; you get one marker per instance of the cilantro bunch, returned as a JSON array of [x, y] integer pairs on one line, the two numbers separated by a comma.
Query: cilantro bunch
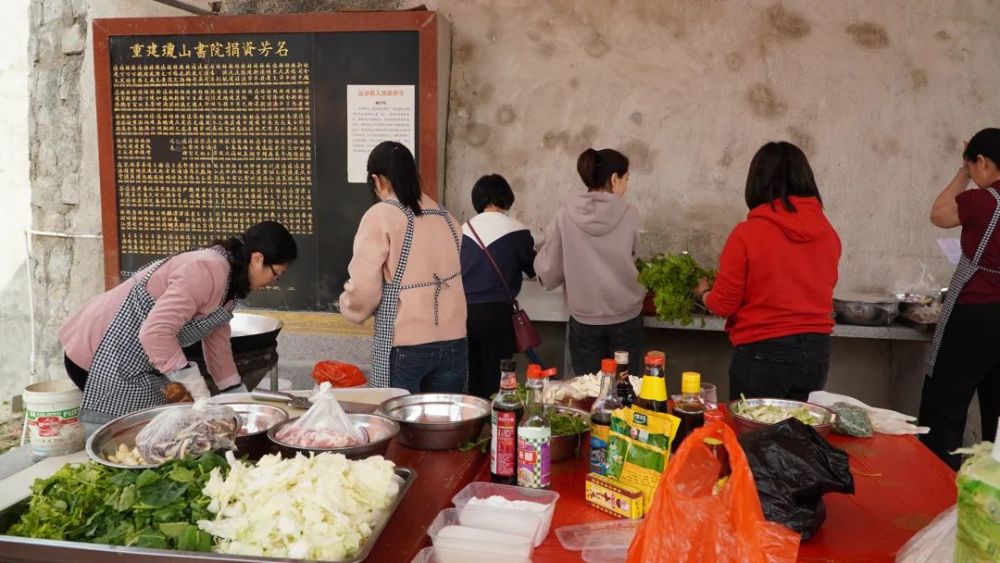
[[671, 277]]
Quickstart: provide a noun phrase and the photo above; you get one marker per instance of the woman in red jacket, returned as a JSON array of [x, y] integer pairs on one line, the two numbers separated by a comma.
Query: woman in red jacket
[[775, 282]]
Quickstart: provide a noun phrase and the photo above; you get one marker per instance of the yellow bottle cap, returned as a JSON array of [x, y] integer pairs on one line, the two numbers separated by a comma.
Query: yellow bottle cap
[[654, 388], [691, 383]]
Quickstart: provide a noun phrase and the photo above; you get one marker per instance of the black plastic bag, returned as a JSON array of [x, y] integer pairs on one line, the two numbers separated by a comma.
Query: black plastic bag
[[793, 468]]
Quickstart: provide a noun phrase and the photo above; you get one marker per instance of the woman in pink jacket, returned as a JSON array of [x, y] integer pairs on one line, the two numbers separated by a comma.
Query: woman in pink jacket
[[124, 346], [406, 272]]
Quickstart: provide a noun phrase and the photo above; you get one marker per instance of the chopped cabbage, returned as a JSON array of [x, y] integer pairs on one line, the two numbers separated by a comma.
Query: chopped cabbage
[[320, 507]]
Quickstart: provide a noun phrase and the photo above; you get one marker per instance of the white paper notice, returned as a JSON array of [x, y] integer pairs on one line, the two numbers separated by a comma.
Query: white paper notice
[[377, 113], [952, 248]]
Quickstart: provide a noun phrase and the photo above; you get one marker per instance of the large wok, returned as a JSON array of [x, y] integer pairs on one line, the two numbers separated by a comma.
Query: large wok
[[254, 340]]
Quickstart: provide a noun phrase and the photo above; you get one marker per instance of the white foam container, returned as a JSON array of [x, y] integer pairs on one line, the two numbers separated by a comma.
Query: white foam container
[[485, 489], [508, 548]]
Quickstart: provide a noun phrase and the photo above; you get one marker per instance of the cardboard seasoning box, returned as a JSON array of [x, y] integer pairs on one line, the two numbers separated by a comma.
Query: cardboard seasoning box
[[613, 497]]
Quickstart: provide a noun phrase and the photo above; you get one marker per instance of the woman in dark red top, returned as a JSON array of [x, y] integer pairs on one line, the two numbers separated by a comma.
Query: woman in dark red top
[[965, 356], [775, 282]]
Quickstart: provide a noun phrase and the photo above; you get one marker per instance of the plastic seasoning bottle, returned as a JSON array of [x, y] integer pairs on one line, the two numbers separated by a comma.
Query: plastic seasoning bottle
[[691, 408], [653, 393], [504, 418], [534, 436], [600, 417], [625, 391]]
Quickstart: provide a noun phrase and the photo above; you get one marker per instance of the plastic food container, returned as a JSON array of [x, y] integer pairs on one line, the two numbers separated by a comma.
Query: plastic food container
[[606, 535], [443, 555], [481, 542], [485, 489]]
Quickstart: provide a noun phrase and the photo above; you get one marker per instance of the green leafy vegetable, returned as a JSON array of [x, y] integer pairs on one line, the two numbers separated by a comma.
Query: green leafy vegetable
[[671, 278], [93, 503]]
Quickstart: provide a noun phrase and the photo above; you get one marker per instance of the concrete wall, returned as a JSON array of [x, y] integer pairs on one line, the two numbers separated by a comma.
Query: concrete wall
[[15, 191], [880, 95]]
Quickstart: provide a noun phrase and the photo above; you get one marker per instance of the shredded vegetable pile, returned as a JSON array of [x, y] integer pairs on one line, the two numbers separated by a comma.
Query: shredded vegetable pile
[[773, 414], [321, 507]]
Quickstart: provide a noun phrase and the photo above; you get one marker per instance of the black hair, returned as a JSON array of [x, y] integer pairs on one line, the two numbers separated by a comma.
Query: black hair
[[597, 167], [271, 239], [395, 162], [492, 189], [986, 143], [779, 170]]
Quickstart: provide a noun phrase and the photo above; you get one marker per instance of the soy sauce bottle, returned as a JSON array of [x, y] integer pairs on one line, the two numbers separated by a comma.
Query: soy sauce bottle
[[690, 409], [504, 418], [624, 386]]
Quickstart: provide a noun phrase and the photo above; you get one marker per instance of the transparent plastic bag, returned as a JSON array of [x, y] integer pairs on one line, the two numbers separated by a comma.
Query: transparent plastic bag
[[325, 424], [689, 522], [935, 542], [188, 432]]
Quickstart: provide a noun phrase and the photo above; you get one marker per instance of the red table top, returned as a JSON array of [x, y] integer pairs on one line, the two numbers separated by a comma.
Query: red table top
[[900, 486]]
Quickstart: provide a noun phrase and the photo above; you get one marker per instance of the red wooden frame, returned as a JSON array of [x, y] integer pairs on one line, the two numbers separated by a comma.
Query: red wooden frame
[[424, 22]]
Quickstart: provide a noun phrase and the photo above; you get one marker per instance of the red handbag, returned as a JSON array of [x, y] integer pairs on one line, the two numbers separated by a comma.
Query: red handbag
[[525, 335]]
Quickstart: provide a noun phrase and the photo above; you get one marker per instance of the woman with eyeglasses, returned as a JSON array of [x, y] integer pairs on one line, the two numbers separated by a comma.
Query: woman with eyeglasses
[[124, 348], [406, 272]]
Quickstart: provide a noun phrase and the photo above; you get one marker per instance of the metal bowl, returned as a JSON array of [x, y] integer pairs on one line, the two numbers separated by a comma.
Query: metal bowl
[[380, 431], [123, 430], [570, 446], [746, 424], [252, 441], [866, 310], [437, 421]]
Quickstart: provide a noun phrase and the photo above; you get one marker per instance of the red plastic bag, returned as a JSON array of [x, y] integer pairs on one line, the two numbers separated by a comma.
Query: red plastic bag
[[339, 374], [686, 522]]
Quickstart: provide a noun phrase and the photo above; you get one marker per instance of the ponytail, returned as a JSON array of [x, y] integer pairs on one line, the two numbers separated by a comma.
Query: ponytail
[[596, 167]]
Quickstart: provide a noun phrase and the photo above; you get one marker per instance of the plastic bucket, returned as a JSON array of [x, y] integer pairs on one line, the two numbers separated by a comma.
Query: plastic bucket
[[52, 409]]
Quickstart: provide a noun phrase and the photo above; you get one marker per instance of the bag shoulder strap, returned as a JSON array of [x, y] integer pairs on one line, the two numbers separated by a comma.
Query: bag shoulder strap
[[496, 268]]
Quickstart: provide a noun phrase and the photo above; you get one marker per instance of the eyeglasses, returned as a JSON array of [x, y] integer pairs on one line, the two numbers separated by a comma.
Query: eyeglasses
[[275, 273]]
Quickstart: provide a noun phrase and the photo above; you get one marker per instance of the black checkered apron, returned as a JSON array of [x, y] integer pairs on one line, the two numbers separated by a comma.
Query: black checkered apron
[[385, 315], [963, 273], [122, 379]]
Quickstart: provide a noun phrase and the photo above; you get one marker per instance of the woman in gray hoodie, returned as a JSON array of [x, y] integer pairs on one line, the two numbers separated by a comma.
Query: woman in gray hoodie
[[590, 248]]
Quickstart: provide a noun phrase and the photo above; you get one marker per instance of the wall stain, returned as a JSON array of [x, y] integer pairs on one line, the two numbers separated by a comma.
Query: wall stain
[[918, 77], [734, 61], [942, 35], [636, 117], [547, 49], [534, 36], [476, 134], [789, 25], [801, 138], [464, 52], [554, 139], [574, 83], [727, 158], [597, 47], [640, 157], [582, 140], [764, 102], [506, 115], [868, 35], [951, 144]]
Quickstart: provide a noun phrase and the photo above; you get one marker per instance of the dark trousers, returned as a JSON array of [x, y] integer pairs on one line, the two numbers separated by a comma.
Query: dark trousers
[[491, 339], [435, 367], [589, 344], [789, 367], [76, 373], [968, 361]]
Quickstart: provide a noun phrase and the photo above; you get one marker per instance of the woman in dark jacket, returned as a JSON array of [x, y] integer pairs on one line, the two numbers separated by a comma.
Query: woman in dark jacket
[[489, 325]]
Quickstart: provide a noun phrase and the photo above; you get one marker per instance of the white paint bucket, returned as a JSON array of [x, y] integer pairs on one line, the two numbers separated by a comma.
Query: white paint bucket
[[52, 409]]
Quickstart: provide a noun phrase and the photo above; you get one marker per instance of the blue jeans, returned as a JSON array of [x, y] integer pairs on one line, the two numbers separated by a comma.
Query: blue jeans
[[435, 367]]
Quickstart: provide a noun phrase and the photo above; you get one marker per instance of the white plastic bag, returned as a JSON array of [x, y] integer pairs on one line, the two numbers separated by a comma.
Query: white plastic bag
[[884, 421], [325, 424], [185, 431], [934, 543]]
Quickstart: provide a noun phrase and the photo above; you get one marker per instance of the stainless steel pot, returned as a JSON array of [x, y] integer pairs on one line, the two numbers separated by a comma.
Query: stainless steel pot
[[252, 441], [865, 309], [437, 421]]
